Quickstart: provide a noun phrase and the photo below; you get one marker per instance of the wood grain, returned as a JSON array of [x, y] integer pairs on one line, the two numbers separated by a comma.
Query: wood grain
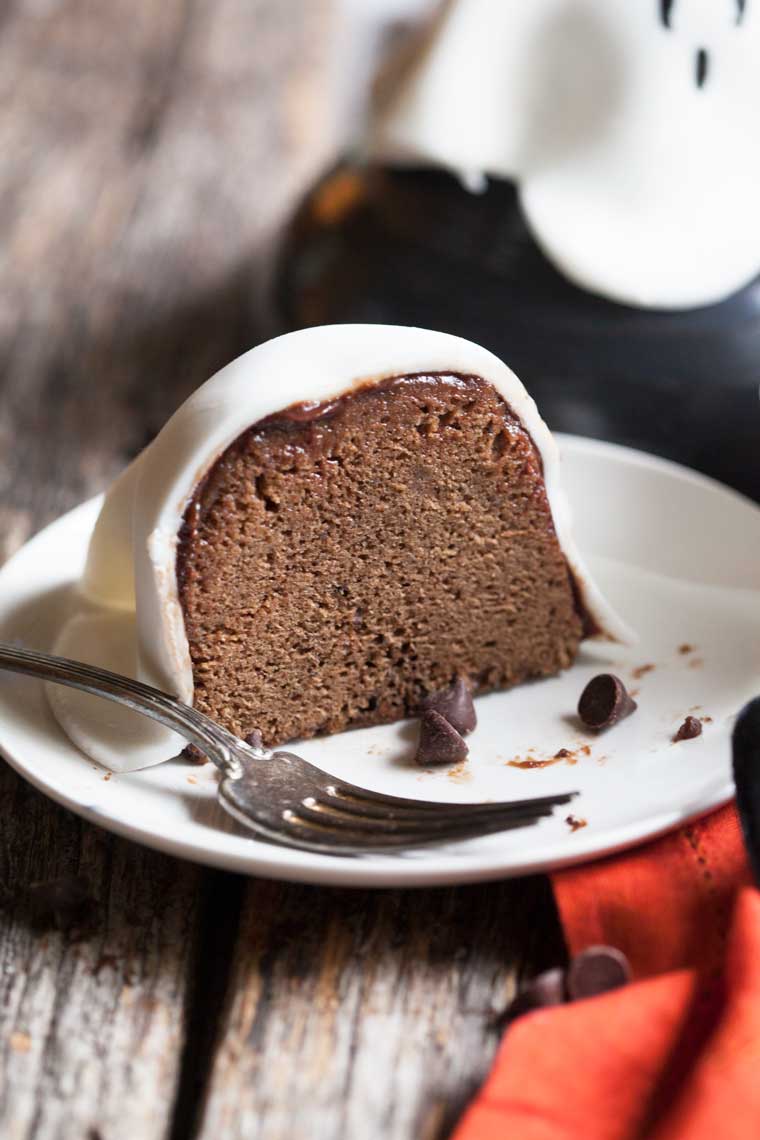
[[91, 1020], [369, 1014], [150, 152]]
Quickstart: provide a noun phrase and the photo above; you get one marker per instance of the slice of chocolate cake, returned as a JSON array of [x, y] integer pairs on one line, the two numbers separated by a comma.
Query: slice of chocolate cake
[[339, 562], [338, 524]]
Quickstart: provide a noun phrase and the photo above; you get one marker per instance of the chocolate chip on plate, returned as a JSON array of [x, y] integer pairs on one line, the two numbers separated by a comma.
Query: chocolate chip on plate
[[193, 754], [440, 743], [690, 728], [597, 970], [455, 704], [604, 702]]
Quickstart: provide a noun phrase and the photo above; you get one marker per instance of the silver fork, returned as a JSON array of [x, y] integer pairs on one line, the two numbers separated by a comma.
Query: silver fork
[[280, 797]]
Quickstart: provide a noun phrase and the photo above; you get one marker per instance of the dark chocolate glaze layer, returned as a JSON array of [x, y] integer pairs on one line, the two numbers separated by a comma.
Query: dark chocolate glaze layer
[[415, 248]]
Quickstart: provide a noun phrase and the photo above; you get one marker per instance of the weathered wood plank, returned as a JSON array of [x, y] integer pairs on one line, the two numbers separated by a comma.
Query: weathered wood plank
[[354, 1013], [149, 153], [91, 1015]]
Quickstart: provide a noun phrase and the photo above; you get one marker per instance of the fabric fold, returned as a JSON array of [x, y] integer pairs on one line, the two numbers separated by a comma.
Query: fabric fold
[[675, 1055]]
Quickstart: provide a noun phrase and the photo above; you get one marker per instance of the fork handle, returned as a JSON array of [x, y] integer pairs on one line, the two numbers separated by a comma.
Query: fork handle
[[168, 710]]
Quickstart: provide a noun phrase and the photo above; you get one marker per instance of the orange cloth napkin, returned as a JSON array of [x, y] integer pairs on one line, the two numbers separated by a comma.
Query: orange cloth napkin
[[675, 1055]]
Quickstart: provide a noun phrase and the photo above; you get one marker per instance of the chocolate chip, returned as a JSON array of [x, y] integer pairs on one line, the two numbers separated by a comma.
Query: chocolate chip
[[604, 702], [440, 743], [193, 754], [62, 903], [597, 970], [690, 728], [455, 704], [544, 990], [255, 740]]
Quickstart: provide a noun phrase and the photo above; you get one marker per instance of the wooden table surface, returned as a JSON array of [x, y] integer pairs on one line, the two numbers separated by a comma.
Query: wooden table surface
[[150, 152]]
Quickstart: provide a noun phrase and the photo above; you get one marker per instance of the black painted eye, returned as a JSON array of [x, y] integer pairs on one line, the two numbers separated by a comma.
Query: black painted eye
[[666, 11]]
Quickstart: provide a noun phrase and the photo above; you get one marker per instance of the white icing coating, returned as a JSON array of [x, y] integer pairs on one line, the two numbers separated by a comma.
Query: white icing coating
[[129, 616], [633, 141]]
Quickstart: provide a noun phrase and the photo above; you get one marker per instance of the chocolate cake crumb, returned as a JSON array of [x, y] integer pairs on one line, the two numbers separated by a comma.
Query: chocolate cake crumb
[[439, 743], [574, 823], [534, 762], [562, 754], [192, 754], [455, 704], [255, 740], [641, 671], [690, 728], [685, 648], [604, 702], [596, 971]]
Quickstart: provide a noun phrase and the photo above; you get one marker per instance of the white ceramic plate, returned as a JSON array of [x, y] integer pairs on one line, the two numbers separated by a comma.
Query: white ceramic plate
[[677, 554]]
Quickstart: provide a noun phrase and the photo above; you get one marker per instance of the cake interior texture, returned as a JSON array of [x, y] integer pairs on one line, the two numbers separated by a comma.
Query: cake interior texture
[[341, 561]]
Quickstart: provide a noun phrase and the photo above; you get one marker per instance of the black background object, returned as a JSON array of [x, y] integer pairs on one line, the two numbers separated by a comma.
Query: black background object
[[415, 248], [746, 764]]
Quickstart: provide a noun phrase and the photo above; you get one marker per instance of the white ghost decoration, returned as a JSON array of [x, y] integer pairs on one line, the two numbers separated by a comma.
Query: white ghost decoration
[[629, 126]]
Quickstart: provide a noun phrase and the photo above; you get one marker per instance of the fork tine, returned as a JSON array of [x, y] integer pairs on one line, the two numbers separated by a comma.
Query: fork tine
[[338, 821], [347, 794], [294, 803], [347, 791], [314, 835], [447, 812]]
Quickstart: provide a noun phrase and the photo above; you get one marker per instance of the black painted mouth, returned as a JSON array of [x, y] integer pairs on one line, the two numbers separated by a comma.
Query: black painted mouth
[[702, 65]]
